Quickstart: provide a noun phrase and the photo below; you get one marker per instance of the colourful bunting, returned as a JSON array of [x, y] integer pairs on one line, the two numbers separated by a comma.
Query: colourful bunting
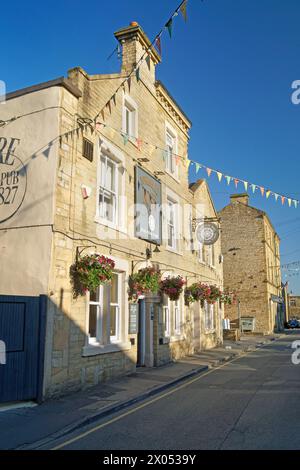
[[246, 185], [114, 99], [268, 193], [125, 138], [276, 197], [148, 61], [282, 200], [295, 204], [183, 10], [198, 166], [208, 170], [188, 162], [108, 104], [236, 182], [289, 202], [262, 190], [220, 176], [158, 44], [137, 73], [169, 26], [102, 115], [253, 188], [228, 178]]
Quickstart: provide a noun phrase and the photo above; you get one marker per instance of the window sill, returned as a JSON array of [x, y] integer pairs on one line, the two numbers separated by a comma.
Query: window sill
[[172, 175], [98, 349], [173, 250], [110, 225]]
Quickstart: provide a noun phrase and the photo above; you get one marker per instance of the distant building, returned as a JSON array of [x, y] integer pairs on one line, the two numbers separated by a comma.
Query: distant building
[[250, 246], [294, 306]]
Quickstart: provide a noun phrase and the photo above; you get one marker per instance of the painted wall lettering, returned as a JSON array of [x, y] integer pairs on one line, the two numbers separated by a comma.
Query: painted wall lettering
[[13, 178]]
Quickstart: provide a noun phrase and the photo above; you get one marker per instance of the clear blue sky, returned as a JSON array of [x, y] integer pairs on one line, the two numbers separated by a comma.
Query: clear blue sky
[[230, 68]]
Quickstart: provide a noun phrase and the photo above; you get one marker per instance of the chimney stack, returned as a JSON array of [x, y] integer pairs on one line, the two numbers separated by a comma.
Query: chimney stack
[[240, 199], [134, 42]]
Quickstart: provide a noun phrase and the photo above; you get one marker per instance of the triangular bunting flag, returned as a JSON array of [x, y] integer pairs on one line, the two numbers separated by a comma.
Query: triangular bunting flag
[[46, 152], [158, 44], [197, 167], [60, 140], [114, 99], [220, 176], [276, 197], [125, 138], [108, 104], [129, 83], [188, 162], [148, 61], [169, 26], [139, 144], [268, 193], [208, 171], [262, 190], [282, 200], [236, 182], [102, 115], [246, 185], [137, 73], [228, 179], [253, 188], [183, 10], [290, 202], [296, 203]]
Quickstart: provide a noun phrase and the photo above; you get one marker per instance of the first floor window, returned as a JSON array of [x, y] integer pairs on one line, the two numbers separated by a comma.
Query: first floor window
[[105, 312], [108, 189], [171, 224], [211, 255], [172, 317], [201, 253], [209, 316]]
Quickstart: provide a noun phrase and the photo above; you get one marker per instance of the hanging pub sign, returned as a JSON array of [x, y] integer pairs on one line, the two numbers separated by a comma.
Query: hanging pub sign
[[13, 179], [147, 206], [207, 233]]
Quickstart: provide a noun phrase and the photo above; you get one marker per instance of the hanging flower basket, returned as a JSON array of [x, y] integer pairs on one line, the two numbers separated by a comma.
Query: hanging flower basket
[[200, 292], [172, 287], [89, 272], [145, 281], [197, 292]]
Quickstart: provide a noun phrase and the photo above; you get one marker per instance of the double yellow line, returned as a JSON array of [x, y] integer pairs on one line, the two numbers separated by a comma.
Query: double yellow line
[[148, 403]]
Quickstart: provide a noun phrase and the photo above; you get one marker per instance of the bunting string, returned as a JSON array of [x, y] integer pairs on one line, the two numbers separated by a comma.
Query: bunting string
[[256, 188], [182, 8]]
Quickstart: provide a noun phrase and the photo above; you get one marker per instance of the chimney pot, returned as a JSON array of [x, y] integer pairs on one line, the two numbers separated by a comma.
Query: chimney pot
[[134, 23]]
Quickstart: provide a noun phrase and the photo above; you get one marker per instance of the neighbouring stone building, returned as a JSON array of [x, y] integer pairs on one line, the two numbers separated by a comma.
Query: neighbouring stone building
[[76, 183], [294, 310], [250, 247]]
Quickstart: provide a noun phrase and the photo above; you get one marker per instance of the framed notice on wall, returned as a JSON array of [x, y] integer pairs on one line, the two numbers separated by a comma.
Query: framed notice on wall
[[133, 318], [147, 206]]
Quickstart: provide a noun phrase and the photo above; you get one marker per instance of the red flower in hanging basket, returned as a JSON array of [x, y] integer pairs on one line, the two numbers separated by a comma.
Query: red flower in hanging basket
[[89, 272], [172, 286]]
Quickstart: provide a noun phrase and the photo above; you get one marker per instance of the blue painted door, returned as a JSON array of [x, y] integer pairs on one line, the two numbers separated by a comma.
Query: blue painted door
[[21, 331]]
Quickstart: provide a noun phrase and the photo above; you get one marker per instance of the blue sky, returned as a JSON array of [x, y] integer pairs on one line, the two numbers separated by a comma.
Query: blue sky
[[230, 68]]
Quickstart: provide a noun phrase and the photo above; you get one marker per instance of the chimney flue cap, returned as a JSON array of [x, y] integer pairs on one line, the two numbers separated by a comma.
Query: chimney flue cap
[[134, 23]]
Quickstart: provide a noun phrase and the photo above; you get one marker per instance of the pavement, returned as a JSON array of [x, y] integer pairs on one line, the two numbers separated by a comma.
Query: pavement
[[37, 427]]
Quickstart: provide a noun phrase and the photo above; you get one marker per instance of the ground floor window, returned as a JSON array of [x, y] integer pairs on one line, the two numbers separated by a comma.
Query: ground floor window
[[105, 312], [209, 316], [173, 312]]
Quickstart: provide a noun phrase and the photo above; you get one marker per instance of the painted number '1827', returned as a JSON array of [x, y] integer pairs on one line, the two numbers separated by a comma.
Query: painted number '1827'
[[8, 194]]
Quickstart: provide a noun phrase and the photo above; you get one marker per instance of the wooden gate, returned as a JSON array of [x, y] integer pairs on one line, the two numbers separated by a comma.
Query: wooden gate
[[22, 332]]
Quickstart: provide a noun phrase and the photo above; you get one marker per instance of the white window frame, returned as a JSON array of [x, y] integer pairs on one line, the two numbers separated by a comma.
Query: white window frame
[[130, 105], [172, 168], [201, 252], [167, 320], [172, 204], [177, 317], [103, 190], [211, 261], [209, 317], [109, 151], [98, 340]]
